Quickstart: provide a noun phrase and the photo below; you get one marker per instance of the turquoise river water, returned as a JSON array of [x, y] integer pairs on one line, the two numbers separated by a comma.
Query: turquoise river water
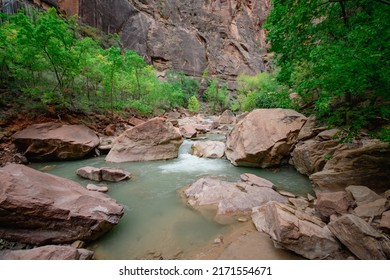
[[156, 220]]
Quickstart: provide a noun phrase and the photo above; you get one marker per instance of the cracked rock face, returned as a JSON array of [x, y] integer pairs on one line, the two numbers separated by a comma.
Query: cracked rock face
[[225, 36]]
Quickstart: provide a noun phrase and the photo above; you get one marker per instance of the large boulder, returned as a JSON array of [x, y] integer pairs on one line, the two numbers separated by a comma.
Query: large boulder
[[49, 252], [229, 198], [264, 137], [55, 141], [156, 139], [295, 230], [360, 238], [367, 165], [208, 149], [39, 208]]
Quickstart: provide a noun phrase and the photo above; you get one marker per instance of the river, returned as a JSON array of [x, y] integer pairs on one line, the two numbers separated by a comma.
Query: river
[[157, 221]]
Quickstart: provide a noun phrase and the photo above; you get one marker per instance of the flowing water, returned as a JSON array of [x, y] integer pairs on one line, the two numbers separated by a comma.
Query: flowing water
[[156, 220]]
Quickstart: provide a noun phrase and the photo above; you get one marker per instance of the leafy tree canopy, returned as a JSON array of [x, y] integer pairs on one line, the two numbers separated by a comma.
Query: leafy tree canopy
[[335, 54]]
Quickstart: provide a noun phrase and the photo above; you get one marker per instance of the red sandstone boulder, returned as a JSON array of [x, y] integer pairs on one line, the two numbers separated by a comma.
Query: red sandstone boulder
[[55, 141], [155, 139], [39, 208], [229, 198], [264, 137]]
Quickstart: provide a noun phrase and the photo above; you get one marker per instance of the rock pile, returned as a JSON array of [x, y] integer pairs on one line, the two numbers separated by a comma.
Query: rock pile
[[356, 219]]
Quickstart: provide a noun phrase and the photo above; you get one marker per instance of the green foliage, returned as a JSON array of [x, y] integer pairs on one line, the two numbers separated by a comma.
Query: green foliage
[[261, 91], [384, 135], [188, 86], [216, 94], [335, 54], [193, 104], [45, 58]]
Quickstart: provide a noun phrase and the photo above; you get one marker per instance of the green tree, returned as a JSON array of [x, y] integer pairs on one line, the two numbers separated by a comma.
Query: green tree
[[334, 54], [193, 104], [216, 95], [261, 91], [45, 58], [189, 86]]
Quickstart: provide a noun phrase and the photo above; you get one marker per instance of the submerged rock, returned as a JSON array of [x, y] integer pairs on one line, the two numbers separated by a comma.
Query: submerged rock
[[55, 141], [50, 252], [155, 139], [264, 137], [295, 230], [39, 208]]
